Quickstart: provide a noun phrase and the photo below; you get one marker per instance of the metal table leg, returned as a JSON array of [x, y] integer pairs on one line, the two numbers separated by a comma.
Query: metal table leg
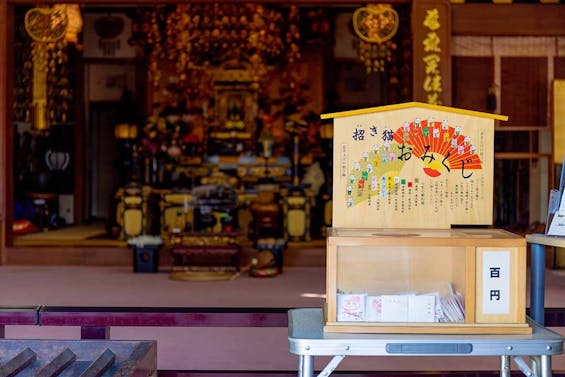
[[528, 370], [537, 286], [545, 367], [505, 366], [305, 366], [334, 362]]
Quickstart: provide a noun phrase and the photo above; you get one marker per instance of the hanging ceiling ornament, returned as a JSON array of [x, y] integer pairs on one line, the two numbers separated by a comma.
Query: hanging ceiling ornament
[[108, 28], [206, 35], [375, 25], [44, 26], [52, 30]]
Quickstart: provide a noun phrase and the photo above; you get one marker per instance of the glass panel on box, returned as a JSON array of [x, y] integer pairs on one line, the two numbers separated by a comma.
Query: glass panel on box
[[407, 284]]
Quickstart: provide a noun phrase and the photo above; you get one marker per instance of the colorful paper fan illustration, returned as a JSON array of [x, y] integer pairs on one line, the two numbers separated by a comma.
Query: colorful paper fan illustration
[[440, 147], [374, 175]]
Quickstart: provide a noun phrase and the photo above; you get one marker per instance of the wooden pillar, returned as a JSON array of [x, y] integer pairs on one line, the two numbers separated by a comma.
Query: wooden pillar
[[3, 128], [431, 27], [79, 141]]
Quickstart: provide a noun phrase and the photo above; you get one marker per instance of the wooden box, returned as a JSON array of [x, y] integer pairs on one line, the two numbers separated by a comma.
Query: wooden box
[[374, 267], [205, 251]]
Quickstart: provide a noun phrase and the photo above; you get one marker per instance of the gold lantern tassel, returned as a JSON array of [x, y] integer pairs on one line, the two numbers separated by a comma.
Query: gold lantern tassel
[[39, 102]]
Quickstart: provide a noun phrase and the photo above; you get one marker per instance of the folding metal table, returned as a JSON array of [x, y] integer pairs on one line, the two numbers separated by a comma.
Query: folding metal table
[[307, 340]]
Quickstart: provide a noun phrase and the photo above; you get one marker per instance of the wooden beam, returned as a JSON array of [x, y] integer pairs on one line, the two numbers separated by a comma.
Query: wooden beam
[[3, 127], [79, 199], [508, 19], [323, 3], [3, 103]]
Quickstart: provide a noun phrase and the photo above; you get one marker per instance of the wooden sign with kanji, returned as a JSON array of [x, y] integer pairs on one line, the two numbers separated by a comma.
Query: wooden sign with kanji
[[412, 165]]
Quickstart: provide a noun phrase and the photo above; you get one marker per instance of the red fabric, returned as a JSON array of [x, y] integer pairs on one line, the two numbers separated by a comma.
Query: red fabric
[[23, 227]]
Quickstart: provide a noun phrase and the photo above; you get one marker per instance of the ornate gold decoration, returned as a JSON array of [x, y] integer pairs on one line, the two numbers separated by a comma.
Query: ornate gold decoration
[[74, 21], [46, 24], [199, 36], [51, 29], [375, 25]]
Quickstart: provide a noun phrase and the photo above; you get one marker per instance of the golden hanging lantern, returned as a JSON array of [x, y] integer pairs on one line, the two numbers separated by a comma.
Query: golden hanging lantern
[[125, 131], [46, 26], [375, 25]]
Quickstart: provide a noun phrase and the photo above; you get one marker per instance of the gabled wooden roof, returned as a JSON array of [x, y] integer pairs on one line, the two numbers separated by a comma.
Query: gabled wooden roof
[[406, 105]]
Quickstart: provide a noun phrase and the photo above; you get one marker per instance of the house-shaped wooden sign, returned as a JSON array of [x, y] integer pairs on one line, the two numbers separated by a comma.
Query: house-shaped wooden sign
[[412, 165]]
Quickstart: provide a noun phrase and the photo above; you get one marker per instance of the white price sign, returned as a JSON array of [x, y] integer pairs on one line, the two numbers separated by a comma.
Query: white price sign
[[496, 282]]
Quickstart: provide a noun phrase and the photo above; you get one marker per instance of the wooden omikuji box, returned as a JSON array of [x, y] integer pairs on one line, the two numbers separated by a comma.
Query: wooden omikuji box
[[402, 176], [397, 276]]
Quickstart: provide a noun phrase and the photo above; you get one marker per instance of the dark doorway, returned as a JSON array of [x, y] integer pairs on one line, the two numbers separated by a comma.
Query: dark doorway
[[103, 159]]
